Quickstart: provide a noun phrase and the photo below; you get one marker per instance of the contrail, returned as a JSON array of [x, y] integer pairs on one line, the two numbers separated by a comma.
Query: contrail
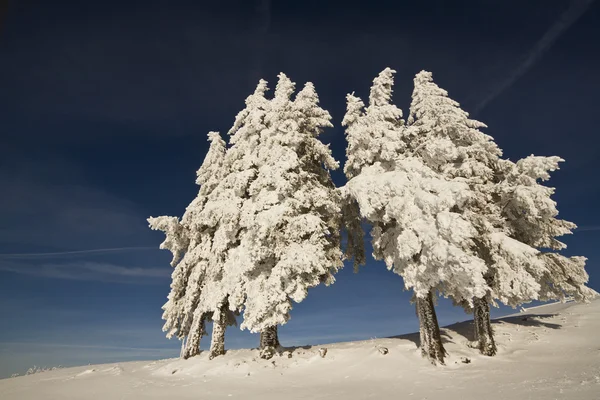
[[572, 14], [66, 253]]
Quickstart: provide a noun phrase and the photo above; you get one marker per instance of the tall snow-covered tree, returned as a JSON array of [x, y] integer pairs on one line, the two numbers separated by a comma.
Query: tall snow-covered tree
[[443, 136], [289, 209], [374, 135], [226, 291], [524, 261], [416, 230]]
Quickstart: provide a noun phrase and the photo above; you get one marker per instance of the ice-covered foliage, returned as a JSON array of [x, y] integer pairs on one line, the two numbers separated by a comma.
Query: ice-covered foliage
[[374, 134], [223, 209], [443, 136], [176, 236], [415, 232], [532, 218], [515, 268], [280, 231], [528, 206], [177, 241], [190, 241], [566, 277], [411, 203]]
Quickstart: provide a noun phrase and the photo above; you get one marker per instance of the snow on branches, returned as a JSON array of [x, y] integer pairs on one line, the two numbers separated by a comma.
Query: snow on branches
[[448, 214], [415, 232]]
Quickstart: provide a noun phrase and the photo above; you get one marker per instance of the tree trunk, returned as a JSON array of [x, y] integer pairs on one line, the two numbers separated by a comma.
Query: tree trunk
[[192, 345], [484, 335], [182, 351], [217, 344], [269, 342], [431, 340]]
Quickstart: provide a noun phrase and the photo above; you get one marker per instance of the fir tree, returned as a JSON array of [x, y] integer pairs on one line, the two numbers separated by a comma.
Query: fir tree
[[190, 240], [176, 241], [287, 237], [443, 136], [225, 293], [416, 230], [508, 235]]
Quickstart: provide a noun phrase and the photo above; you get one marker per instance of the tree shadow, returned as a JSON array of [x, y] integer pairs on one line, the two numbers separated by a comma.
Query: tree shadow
[[294, 349], [416, 339], [467, 328], [535, 320]]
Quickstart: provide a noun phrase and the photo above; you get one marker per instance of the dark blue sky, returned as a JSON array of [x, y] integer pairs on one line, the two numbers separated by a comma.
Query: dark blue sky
[[105, 106]]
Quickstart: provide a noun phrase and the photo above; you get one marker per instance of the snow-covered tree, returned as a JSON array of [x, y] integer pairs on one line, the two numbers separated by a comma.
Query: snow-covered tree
[[412, 207], [522, 254], [284, 236], [420, 238], [190, 240], [443, 136], [177, 241], [291, 220], [224, 293], [374, 135], [508, 220]]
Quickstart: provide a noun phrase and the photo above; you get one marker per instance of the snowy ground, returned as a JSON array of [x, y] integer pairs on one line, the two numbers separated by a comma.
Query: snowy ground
[[552, 354]]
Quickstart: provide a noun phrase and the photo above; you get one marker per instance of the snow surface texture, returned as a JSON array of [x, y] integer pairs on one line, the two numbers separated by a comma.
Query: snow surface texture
[[548, 352]]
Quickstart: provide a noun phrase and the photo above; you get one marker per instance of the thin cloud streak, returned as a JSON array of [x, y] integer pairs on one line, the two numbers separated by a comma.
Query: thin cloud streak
[[573, 13], [81, 346], [88, 271], [75, 252]]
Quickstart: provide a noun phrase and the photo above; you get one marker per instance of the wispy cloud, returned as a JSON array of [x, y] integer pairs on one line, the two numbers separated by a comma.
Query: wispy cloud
[[7, 345], [47, 204], [75, 252], [576, 9], [88, 271]]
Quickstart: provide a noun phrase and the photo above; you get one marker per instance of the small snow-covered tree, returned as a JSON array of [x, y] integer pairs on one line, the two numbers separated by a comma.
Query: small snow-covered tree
[[522, 254], [374, 135], [206, 279], [412, 207], [177, 241], [190, 241]]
